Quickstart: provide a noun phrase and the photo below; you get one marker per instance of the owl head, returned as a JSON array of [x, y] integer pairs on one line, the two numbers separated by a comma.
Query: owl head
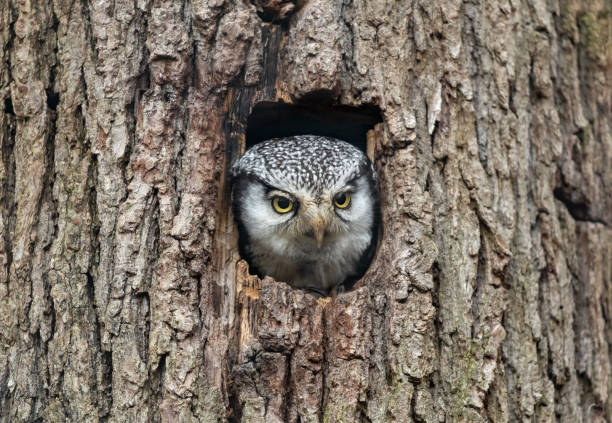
[[307, 211]]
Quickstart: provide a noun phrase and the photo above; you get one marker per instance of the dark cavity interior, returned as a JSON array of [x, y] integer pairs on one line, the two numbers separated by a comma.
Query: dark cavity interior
[[314, 117]]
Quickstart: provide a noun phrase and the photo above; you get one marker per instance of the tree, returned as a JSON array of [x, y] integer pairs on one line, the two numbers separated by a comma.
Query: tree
[[122, 295]]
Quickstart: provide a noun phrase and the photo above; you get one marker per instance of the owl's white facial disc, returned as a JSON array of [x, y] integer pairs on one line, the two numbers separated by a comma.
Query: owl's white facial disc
[[258, 212], [321, 241]]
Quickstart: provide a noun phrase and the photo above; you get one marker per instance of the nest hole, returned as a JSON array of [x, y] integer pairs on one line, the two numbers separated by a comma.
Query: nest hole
[[312, 117]]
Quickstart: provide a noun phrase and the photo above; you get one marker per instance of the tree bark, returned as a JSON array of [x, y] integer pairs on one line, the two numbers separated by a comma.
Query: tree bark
[[122, 294]]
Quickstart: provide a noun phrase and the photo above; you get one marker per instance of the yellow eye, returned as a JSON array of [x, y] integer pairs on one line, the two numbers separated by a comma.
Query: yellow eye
[[343, 200], [282, 204]]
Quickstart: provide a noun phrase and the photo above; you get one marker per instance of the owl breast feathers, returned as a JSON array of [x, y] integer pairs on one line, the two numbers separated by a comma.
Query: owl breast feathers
[[307, 211]]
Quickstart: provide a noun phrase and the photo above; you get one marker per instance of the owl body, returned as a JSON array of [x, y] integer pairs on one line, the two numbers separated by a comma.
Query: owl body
[[307, 211]]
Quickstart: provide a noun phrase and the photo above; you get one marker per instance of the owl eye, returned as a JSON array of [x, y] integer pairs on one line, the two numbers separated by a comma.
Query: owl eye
[[281, 204], [343, 200]]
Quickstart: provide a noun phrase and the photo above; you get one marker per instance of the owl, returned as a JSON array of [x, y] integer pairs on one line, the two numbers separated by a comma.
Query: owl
[[307, 211]]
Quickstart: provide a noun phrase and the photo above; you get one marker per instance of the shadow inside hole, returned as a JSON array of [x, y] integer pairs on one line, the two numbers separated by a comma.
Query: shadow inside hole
[[274, 120]]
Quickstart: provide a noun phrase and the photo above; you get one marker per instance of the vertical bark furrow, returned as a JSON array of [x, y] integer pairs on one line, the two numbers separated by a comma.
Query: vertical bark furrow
[[30, 73], [7, 196]]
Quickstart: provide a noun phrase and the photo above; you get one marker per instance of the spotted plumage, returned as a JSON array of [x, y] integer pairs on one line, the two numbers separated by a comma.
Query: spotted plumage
[[307, 211]]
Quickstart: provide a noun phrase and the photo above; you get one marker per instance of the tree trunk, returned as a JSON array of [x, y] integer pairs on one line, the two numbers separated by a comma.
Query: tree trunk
[[122, 294]]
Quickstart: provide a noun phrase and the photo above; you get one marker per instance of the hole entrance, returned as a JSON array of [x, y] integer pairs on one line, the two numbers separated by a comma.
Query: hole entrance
[[316, 116]]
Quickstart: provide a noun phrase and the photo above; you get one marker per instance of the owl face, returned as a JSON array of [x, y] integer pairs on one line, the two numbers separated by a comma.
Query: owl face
[[306, 209]]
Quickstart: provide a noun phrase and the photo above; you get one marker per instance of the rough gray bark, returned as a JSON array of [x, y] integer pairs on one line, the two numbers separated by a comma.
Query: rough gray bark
[[122, 297]]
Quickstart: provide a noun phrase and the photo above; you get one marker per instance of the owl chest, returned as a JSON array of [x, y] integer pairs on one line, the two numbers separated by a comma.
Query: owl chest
[[301, 272], [320, 269]]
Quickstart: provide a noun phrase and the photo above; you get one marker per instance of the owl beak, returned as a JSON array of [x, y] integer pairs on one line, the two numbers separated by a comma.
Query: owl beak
[[319, 225]]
